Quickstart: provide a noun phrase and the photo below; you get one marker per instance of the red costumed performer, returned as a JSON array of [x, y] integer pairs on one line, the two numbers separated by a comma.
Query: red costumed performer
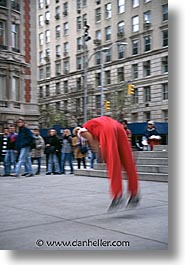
[[110, 136]]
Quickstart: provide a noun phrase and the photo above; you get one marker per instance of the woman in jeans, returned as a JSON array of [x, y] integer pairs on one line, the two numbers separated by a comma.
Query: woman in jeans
[[67, 151]]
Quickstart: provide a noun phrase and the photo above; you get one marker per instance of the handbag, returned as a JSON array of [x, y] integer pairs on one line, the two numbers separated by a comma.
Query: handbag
[[83, 149]]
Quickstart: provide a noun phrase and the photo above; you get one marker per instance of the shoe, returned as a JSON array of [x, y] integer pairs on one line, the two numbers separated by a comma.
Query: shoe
[[15, 175], [48, 173], [116, 203], [29, 175], [24, 174], [71, 173], [133, 201], [56, 173], [37, 173]]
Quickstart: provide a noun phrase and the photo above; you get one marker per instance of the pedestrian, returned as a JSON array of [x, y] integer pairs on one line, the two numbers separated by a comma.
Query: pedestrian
[[37, 152], [152, 135], [92, 159], [109, 135], [11, 155], [3, 148], [76, 145], [128, 131], [52, 147], [66, 151], [23, 144]]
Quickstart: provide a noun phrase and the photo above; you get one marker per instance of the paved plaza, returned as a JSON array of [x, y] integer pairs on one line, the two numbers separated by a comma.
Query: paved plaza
[[58, 212]]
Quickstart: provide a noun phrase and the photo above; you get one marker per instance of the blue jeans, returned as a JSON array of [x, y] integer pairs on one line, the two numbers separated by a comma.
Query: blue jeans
[[38, 159], [24, 159], [53, 160], [93, 157], [10, 160], [64, 157]]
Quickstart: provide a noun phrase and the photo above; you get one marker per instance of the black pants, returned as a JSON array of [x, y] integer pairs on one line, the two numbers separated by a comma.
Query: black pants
[[79, 162]]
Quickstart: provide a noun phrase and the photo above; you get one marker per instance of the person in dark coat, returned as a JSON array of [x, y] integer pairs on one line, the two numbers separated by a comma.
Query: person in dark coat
[[52, 148]]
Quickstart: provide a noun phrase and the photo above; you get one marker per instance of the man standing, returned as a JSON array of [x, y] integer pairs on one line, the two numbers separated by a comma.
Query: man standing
[[23, 145], [10, 157], [3, 148], [36, 153], [110, 136]]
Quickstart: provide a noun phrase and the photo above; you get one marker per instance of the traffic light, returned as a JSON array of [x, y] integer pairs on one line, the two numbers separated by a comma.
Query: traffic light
[[131, 89], [86, 33], [107, 105]]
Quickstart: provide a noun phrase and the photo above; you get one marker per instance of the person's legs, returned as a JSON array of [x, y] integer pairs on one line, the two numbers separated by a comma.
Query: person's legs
[[56, 164], [63, 161], [24, 153], [127, 161], [7, 163], [79, 162], [70, 159]]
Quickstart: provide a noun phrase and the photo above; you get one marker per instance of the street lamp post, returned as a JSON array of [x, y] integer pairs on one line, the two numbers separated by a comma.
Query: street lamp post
[[86, 62]]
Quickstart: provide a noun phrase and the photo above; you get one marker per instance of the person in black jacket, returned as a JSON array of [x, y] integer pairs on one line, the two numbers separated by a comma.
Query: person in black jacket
[[51, 149], [23, 144]]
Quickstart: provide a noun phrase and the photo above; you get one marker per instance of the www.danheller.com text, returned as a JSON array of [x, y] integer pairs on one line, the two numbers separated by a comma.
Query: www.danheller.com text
[[82, 243]]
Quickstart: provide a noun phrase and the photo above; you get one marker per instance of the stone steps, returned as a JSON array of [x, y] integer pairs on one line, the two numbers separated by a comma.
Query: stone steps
[[151, 166]]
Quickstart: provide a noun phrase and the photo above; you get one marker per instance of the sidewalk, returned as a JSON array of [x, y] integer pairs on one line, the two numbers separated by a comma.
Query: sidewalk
[[70, 212]]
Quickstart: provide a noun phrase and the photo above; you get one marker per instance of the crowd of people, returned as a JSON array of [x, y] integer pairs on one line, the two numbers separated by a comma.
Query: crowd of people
[[19, 149], [107, 140]]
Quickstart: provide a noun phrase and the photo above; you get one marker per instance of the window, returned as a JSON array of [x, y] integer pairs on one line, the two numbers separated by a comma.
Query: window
[[66, 28], [121, 51], [79, 43], [3, 88], [135, 47], [41, 73], [108, 55], [98, 14], [147, 94], [108, 11], [47, 17], [15, 5], [41, 92], [47, 35], [65, 86], [58, 68], [58, 88], [65, 13], [98, 79], [165, 38], [2, 33], [66, 66], [47, 3], [164, 12], [47, 91], [41, 21], [165, 91], [147, 115], [165, 64], [147, 43], [41, 57], [121, 27], [58, 31], [48, 71], [16, 89], [98, 102], [84, 19], [98, 57], [15, 36], [41, 39], [107, 77], [66, 48], [57, 106], [78, 83], [147, 17], [135, 24], [108, 33], [79, 63], [135, 3], [135, 98], [121, 6], [135, 71], [79, 23], [78, 4], [147, 68], [121, 76], [41, 4], [98, 35], [47, 54], [58, 50]]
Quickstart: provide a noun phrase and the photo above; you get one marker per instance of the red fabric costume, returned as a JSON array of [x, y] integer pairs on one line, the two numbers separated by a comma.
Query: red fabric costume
[[115, 151]]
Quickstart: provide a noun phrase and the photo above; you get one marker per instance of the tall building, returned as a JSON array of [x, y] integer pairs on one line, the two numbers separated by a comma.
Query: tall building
[[18, 74], [126, 43]]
